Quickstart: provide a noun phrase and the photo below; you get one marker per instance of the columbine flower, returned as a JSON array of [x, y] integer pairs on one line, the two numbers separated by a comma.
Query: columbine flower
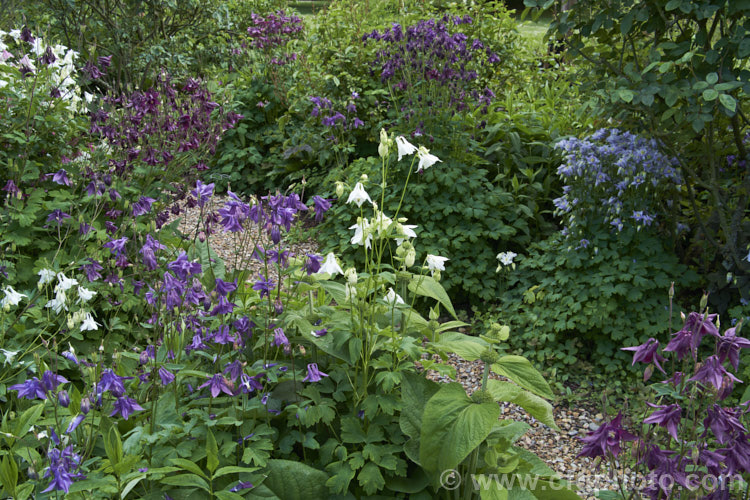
[[667, 416], [426, 160], [729, 345], [84, 294], [506, 258], [358, 195], [330, 266], [436, 263], [313, 374], [58, 303], [64, 283], [12, 298], [606, 438], [319, 333], [242, 486], [166, 376], [712, 371], [322, 205], [218, 384], [362, 235], [45, 276], [89, 324], [125, 406], [202, 192], [647, 353], [9, 355], [61, 177], [279, 338], [30, 389], [393, 298], [405, 148]]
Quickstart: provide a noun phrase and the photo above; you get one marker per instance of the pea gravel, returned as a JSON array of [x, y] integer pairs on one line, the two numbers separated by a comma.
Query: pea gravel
[[558, 449]]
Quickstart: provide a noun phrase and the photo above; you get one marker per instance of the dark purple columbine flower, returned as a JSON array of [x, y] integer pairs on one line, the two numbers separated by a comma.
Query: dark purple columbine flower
[[92, 270], [606, 438], [321, 205], [50, 380], [30, 389], [110, 381], [218, 384], [166, 376], [57, 216], [84, 229], [700, 325], [182, 267], [681, 344], [313, 374], [737, 455], [142, 206], [148, 251], [279, 338], [104, 61], [728, 347], [243, 325], [202, 192], [125, 406], [223, 307], [667, 416], [117, 247], [224, 288], [320, 333], [234, 369], [10, 188], [75, 422], [647, 353], [242, 485], [250, 384], [713, 372], [313, 263], [724, 423], [62, 480], [653, 456], [61, 177], [264, 287]]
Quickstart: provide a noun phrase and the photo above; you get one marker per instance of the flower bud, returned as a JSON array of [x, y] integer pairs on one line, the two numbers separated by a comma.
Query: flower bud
[[704, 302], [433, 314], [278, 307], [85, 405], [671, 291], [411, 255], [339, 189], [63, 398], [363, 178], [351, 276]]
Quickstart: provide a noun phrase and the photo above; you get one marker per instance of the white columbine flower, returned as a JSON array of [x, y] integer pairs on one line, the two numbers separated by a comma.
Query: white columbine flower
[[45, 276], [381, 223], [362, 233], [426, 160], [405, 148], [506, 258], [405, 231], [64, 283], [330, 266], [58, 303], [84, 294], [9, 355], [392, 297], [89, 323], [358, 195], [436, 263], [12, 298]]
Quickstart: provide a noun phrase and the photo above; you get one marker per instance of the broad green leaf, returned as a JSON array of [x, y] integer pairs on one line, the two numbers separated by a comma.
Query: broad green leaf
[[9, 474], [520, 371], [427, 286], [625, 94], [453, 426], [212, 452], [533, 404], [710, 94], [728, 102], [27, 419], [491, 490], [113, 445], [233, 469], [295, 481], [415, 481], [131, 484], [555, 489], [416, 390], [370, 478], [228, 495], [465, 346], [186, 480], [189, 466]]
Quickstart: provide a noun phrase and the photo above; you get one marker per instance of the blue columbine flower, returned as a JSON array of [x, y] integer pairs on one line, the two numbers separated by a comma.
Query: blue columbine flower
[[125, 406], [314, 374], [264, 287], [30, 389], [279, 338], [217, 385]]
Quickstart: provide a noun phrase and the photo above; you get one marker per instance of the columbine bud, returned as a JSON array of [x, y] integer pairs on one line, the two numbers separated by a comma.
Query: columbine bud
[[385, 143], [339, 189], [411, 255], [351, 276], [704, 302], [278, 307], [671, 291], [363, 178], [63, 398], [70, 322], [85, 405], [433, 313]]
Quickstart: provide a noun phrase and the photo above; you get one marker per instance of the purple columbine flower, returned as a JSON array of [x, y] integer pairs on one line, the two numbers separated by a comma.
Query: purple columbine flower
[[242, 485], [321, 205], [279, 338], [724, 423], [700, 325], [61, 177], [30, 389], [117, 246], [92, 270], [182, 267], [243, 325], [250, 384], [647, 353], [110, 381], [75, 422], [667, 416], [202, 192], [313, 374], [125, 406], [166, 376], [142, 206], [713, 372], [234, 369], [57, 216], [728, 347], [11, 188], [51, 380], [224, 288], [223, 307], [264, 287], [681, 344], [737, 455], [218, 384], [606, 438], [313, 263], [320, 333]]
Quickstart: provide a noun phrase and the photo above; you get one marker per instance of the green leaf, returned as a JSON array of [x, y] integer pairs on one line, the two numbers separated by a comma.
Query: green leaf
[[728, 102], [490, 490], [233, 469], [131, 484], [520, 371], [113, 446], [625, 94], [427, 286], [228, 495], [186, 480], [27, 419], [9, 474], [710, 94], [416, 390], [453, 426], [370, 478], [533, 404], [212, 452], [295, 481], [712, 78], [189, 466], [465, 346]]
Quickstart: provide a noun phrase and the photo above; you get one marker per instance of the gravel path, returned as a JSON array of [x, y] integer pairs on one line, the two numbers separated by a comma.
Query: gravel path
[[558, 449]]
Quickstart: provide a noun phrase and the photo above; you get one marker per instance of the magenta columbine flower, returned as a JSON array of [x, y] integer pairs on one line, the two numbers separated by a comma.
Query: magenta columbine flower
[[647, 353], [125, 406], [606, 438], [667, 416], [314, 374], [713, 372], [728, 347]]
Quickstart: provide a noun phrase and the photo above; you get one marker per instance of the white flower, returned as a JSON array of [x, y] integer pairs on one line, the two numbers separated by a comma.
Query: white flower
[[89, 97], [358, 195], [330, 266], [350, 292], [362, 233], [58, 303], [381, 223], [405, 231], [45, 276], [64, 283], [9, 355], [84, 294], [506, 258], [436, 263], [89, 323], [351, 276], [12, 298], [405, 148], [426, 160], [16, 34], [393, 298]]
